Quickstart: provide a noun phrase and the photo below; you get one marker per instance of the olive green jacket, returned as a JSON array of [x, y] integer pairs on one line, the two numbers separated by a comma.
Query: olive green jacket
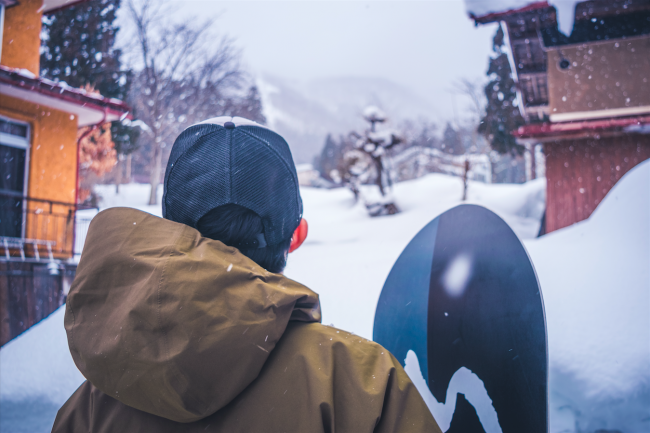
[[178, 333]]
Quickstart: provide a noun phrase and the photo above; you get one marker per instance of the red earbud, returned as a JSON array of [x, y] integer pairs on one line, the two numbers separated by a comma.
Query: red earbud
[[299, 235]]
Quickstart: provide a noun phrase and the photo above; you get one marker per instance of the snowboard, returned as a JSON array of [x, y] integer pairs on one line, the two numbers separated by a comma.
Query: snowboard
[[464, 293]]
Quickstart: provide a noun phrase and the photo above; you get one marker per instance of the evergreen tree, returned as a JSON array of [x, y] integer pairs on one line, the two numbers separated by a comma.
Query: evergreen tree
[[502, 114], [452, 141], [79, 50], [328, 158]]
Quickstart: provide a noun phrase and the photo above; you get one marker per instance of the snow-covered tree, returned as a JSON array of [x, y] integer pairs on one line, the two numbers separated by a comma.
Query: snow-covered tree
[[354, 169], [374, 144]]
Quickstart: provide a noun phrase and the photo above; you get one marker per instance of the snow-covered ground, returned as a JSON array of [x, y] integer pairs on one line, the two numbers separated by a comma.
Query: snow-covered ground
[[594, 275]]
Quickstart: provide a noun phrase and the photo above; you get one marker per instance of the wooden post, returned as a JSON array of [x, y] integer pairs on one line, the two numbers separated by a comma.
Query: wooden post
[[530, 148], [465, 177]]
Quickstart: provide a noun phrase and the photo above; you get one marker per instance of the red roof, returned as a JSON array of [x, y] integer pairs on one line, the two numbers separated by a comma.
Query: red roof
[[498, 16], [540, 130], [23, 84]]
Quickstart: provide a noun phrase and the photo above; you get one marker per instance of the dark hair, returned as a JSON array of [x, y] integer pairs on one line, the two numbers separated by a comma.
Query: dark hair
[[232, 224]]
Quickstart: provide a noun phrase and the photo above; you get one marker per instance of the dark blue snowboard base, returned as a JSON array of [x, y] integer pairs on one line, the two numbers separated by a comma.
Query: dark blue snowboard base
[[464, 293]]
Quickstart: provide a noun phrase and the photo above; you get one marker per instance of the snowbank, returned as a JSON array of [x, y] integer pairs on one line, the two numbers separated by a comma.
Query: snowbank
[[50, 374], [595, 278]]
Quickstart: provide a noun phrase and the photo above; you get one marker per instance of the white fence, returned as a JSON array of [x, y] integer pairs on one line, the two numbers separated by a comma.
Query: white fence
[[417, 161]]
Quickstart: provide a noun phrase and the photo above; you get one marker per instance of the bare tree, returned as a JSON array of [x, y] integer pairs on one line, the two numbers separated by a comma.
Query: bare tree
[[472, 90], [184, 74]]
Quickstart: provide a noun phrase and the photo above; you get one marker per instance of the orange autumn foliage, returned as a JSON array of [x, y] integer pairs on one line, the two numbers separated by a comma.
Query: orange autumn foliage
[[97, 155], [96, 150]]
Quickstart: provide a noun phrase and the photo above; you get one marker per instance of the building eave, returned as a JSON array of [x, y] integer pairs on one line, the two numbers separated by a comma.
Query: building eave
[[89, 109]]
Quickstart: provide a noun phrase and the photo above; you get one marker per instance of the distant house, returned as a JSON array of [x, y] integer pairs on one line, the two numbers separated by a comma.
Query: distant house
[[39, 120], [583, 75]]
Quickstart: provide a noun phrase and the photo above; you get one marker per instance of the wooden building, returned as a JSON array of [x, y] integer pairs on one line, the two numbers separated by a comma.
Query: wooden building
[[585, 95], [39, 120]]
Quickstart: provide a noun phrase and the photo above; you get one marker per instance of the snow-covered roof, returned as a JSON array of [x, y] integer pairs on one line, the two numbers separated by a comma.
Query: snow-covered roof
[[495, 10], [89, 108]]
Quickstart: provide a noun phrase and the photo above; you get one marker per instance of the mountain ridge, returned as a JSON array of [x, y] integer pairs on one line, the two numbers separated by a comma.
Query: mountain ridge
[[304, 112]]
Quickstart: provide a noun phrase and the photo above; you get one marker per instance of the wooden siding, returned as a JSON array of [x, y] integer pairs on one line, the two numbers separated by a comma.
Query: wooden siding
[[581, 172], [21, 41], [602, 77], [28, 294], [52, 170]]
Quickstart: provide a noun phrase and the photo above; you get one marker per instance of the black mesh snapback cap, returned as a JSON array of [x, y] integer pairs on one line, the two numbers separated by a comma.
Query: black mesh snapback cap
[[233, 160]]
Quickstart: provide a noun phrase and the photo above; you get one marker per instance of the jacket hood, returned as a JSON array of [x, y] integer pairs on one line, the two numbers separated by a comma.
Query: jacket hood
[[171, 323]]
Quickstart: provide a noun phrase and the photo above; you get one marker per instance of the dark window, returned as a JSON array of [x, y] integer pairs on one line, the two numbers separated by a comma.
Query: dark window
[[12, 128], [12, 182]]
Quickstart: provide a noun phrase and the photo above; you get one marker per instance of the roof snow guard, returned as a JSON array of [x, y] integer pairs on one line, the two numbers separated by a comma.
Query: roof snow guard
[[90, 109], [540, 132]]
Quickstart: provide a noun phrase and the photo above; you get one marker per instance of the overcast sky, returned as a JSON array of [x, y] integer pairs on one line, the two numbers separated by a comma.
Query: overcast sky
[[424, 45]]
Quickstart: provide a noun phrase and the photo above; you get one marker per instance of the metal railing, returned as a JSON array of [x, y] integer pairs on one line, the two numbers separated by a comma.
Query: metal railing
[[31, 228], [19, 244]]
